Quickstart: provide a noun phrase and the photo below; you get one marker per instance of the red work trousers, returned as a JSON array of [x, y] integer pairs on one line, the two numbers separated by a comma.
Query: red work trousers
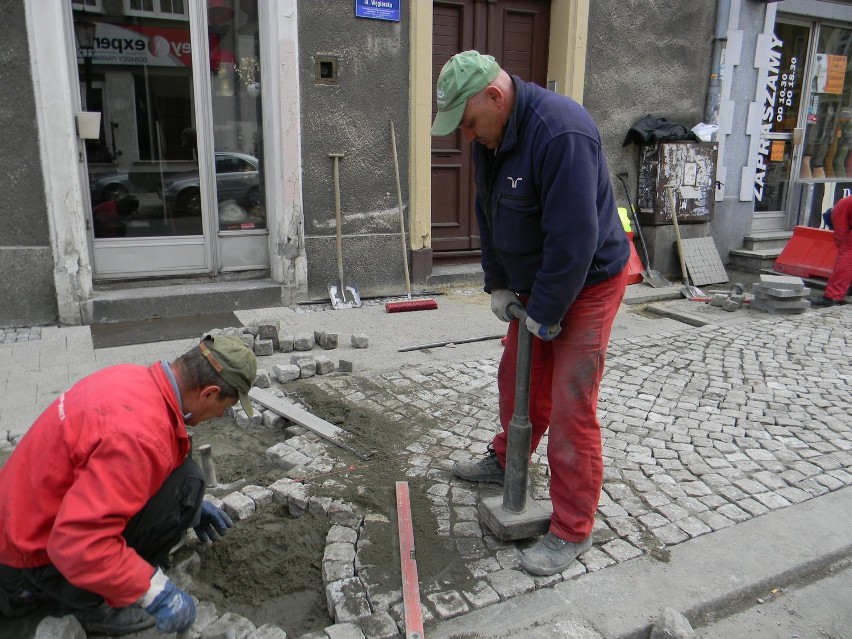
[[564, 382], [838, 283]]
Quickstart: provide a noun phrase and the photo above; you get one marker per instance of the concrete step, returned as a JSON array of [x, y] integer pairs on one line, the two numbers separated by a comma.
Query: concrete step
[[128, 303], [755, 260], [762, 241], [456, 275]]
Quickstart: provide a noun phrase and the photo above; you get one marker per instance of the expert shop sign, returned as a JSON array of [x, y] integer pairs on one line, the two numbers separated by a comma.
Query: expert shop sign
[[377, 9]]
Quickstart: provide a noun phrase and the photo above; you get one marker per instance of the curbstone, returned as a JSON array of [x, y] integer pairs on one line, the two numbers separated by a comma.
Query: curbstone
[[379, 626], [258, 494], [448, 604], [344, 366], [285, 373], [66, 627], [262, 379], [307, 368], [285, 456], [672, 625], [263, 347], [229, 626], [327, 341], [272, 420], [344, 631], [304, 342], [360, 340], [268, 631], [238, 506], [323, 365], [286, 343]]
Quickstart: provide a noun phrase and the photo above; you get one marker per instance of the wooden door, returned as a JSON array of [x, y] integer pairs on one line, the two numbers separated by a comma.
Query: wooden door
[[516, 33]]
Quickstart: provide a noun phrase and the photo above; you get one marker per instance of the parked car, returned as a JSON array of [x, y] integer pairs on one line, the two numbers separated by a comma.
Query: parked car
[[111, 186], [236, 179]]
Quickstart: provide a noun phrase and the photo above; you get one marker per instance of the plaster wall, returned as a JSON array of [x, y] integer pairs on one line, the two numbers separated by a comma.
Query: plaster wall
[[732, 217], [26, 258], [647, 57], [353, 117]]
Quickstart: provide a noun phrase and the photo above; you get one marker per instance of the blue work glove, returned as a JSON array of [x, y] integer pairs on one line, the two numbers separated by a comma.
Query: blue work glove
[[546, 333], [213, 520], [173, 609], [501, 300]]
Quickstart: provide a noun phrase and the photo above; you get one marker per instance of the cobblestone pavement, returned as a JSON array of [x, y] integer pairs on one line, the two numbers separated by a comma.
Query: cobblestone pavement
[[20, 334], [703, 428]]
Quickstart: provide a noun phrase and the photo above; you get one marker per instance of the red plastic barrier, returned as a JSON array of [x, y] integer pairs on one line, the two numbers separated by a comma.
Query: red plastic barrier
[[634, 265], [809, 252]]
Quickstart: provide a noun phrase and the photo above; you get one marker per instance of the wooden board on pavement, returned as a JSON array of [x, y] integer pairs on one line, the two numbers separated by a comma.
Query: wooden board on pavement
[[299, 415]]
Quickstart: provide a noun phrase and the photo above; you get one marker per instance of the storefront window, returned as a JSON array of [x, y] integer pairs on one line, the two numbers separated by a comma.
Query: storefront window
[[237, 128], [143, 169], [828, 132]]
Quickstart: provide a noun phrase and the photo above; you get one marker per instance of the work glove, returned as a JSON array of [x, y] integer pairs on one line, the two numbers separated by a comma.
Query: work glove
[[173, 609], [541, 331], [501, 300], [213, 520]]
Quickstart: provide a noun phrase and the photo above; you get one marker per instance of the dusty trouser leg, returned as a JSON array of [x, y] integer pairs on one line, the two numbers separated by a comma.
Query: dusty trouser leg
[[837, 286], [152, 532], [574, 441], [540, 387], [158, 527]]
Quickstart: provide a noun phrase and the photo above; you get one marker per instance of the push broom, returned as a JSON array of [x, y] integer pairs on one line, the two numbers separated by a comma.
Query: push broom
[[407, 304]]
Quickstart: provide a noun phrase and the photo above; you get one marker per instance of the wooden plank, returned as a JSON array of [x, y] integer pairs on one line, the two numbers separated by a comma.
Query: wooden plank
[[408, 564], [299, 415]]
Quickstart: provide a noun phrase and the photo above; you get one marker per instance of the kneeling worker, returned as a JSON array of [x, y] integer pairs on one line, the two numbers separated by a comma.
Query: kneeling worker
[[102, 487]]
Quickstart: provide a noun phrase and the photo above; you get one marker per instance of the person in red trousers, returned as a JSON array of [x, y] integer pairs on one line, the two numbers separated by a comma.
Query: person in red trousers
[[551, 241], [841, 275]]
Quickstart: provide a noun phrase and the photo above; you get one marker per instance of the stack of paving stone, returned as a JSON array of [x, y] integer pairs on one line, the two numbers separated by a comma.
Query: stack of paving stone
[[780, 295]]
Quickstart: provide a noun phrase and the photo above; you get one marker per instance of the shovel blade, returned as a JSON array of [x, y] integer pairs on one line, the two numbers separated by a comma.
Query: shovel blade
[[346, 296], [655, 279], [351, 294]]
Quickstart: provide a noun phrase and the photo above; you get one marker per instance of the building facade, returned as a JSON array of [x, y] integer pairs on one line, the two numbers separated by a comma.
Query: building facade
[[159, 141]]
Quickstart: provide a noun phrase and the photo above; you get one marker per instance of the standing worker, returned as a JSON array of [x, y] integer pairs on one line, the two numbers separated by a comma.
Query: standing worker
[[841, 274], [552, 241], [102, 487]]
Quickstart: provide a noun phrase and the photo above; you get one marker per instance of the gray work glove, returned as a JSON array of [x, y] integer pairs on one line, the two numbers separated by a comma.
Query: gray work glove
[[501, 300], [546, 333]]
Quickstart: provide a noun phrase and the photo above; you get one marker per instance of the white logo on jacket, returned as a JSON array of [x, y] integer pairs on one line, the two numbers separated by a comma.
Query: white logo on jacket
[[514, 181]]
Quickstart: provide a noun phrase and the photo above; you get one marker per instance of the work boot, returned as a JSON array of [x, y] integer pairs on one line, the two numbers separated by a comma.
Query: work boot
[[825, 301], [113, 621], [552, 554], [487, 469]]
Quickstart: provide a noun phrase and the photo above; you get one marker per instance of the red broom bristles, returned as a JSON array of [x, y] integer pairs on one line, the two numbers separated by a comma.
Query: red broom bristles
[[411, 305]]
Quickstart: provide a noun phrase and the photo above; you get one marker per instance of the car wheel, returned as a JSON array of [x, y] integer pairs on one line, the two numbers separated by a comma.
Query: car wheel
[[254, 198], [189, 202], [113, 192]]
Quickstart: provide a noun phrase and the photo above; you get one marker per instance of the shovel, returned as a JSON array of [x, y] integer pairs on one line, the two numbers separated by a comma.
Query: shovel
[[651, 277], [343, 294], [688, 291]]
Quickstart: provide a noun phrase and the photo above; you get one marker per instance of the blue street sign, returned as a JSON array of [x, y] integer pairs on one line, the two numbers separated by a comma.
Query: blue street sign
[[377, 9]]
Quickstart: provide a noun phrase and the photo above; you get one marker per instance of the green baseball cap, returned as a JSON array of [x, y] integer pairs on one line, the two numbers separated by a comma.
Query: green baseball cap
[[463, 76], [235, 362]]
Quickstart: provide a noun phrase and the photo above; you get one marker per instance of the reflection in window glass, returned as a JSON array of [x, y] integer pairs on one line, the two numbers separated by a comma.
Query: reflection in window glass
[[828, 132], [237, 128], [136, 70]]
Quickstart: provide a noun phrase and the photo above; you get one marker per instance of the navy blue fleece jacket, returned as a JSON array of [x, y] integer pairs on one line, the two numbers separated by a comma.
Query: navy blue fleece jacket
[[547, 218]]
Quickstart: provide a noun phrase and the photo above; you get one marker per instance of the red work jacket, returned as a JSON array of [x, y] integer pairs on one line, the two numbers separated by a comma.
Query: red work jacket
[[88, 464]]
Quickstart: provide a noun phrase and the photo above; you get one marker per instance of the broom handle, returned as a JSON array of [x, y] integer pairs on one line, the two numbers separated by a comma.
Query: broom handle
[[401, 216]]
